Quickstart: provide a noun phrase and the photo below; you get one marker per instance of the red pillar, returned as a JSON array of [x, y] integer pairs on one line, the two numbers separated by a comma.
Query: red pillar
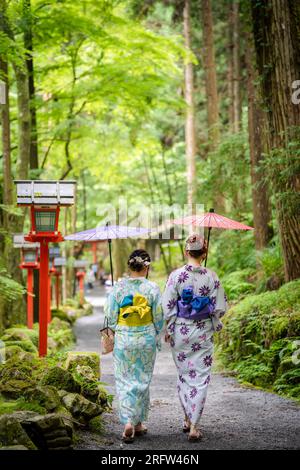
[[30, 298], [49, 297], [57, 290], [44, 298]]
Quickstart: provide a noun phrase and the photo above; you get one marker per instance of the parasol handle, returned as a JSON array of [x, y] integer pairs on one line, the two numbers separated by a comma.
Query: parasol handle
[[208, 237], [110, 260]]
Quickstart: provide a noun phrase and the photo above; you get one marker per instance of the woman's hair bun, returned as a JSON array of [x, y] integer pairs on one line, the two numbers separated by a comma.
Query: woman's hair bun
[[139, 260], [196, 245]]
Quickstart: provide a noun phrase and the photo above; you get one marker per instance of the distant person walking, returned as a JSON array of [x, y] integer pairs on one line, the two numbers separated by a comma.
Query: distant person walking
[[193, 303], [90, 278], [135, 315]]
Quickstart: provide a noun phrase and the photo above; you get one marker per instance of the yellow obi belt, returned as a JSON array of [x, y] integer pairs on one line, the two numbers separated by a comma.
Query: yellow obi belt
[[134, 311]]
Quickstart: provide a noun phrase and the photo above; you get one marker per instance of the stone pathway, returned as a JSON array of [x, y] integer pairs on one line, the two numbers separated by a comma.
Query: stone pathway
[[235, 417]]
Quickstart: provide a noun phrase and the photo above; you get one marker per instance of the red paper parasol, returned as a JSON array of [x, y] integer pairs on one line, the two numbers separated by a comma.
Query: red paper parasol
[[211, 220]]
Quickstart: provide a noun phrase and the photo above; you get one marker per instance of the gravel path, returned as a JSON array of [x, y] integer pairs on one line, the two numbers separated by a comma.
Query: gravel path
[[235, 417]]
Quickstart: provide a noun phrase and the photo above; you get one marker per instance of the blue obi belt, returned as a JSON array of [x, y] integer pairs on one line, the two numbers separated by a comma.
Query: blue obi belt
[[193, 307]]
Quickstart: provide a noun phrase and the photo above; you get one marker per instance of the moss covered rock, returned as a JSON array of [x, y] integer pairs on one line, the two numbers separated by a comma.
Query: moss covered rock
[[15, 378], [86, 359], [61, 379], [11, 351], [66, 314], [82, 410], [103, 398], [12, 432], [21, 334], [17, 447], [48, 432], [45, 395], [25, 345], [57, 325]]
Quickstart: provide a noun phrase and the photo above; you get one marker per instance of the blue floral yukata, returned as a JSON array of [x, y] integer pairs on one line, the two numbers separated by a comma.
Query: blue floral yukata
[[135, 347], [192, 340]]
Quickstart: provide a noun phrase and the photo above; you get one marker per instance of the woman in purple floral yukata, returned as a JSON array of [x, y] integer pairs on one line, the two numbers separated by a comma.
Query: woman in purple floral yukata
[[193, 303]]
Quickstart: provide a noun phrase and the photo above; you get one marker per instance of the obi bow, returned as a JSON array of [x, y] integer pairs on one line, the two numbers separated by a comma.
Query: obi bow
[[194, 307], [137, 304]]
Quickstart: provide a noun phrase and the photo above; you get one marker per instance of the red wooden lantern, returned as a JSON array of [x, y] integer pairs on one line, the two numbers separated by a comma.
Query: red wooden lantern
[[45, 199], [29, 261], [58, 263]]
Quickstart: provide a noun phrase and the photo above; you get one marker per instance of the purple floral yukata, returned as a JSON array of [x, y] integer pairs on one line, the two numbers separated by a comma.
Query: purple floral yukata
[[192, 340]]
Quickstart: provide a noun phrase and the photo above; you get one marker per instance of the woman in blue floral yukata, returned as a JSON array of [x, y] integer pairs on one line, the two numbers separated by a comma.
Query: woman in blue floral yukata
[[135, 315], [193, 303]]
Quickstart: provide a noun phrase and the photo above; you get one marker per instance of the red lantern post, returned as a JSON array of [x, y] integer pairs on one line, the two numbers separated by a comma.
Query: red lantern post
[[45, 199], [29, 261], [58, 263]]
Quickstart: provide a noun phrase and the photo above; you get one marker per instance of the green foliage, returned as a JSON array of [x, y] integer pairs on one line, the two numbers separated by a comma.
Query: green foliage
[[280, 167], [21, 404], [9, 289], [96, 425], [231, 250], [259, 338], [236, 284]]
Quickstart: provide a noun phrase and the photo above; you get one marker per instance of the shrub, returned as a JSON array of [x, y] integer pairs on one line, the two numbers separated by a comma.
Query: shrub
[[259, 338]]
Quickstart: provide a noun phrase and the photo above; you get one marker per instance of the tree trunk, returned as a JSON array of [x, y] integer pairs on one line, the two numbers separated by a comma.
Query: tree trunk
[[234, 67], [190, 132], [11, 312], [230, 67], [23, 121], [276, 27], [6, 158], [260, 197], [28, 44], [212, 101], [237, 104]]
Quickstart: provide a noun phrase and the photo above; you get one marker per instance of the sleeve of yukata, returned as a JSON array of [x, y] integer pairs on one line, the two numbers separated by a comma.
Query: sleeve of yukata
[[218, 297], [169, 302], [111, 310], [157, 313]]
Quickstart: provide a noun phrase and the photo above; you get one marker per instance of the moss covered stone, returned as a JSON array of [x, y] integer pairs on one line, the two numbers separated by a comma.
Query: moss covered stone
[[67, 314], [61, 379], [82, 410], [45, 395], [11, 351], [89, 359], [103, 398], [25, 345], [17, 447], [48, 432], [15, 378], [12, 432], [57, 325], [21, 334]]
